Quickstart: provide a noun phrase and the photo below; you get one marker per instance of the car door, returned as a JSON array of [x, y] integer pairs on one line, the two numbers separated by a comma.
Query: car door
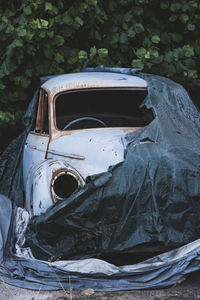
[[37, 140]]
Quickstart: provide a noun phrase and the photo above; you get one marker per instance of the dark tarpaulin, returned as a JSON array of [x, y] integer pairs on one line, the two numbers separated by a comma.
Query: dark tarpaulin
[[159, 272], [152, 196]]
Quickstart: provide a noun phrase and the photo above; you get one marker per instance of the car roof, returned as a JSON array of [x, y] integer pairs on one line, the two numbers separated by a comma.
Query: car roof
[[86, 80]]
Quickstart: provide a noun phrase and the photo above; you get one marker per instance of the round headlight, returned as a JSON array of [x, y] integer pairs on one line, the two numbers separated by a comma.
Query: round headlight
[[64, 183]]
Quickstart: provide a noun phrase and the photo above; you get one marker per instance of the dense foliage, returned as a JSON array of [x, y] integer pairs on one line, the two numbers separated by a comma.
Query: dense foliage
[[57, 36]]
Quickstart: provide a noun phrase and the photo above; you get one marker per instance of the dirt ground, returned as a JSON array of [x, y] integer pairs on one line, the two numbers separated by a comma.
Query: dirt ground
[[188, 289]]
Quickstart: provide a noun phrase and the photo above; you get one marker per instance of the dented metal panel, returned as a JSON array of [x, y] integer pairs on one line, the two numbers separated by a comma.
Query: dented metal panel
[[99, 148], [41, 177], [34, 152]]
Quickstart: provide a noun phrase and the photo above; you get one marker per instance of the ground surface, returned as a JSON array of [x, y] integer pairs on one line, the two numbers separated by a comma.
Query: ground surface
[[188, 289]]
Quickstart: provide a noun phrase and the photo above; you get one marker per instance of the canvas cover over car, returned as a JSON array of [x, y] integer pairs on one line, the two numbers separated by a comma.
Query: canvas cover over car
[[152, 196]]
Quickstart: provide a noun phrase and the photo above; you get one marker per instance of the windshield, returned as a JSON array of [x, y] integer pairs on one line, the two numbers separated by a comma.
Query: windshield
[[101, 108]]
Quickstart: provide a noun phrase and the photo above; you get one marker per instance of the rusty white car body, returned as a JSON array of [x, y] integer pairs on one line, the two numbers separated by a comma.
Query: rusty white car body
[[80, 130]]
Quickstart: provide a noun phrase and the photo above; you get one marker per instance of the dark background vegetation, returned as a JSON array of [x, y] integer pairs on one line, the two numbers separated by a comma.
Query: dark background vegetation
[[57, 36]]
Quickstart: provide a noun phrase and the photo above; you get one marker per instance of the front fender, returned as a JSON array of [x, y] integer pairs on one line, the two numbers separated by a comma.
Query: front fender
[[40, 186]]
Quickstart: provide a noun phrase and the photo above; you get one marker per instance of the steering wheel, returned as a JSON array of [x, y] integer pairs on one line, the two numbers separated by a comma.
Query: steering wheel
[[83, 119]]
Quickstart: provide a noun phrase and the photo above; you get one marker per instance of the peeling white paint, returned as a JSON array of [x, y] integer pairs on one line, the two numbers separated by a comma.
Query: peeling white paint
[[100, 148]]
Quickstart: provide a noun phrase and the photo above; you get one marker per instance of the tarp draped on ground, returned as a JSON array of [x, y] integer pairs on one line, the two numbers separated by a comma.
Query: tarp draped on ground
[[152, 196]]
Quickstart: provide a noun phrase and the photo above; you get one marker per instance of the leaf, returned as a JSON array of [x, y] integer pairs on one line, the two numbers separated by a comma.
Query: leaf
[[27, 10], [9, 29], [97, 35], [93, 2], [155, 39], [138, 11], [140, 2], [128, 17], [4, 19], [147, 55], [141, 52], [59, 40], [176, 6], [168, 57], [82, 7], [66, 19], [189, 50], [158, 60], [41, 23], [191, 27], [193, 4], [82, 55], [192, 74], [79, 21], [173, 18], [154, 53], [123, 38], [125, 26], [177, 53], [42, 34], [25, 82], [22, 32], [72, 60], [102, 52], [114, 38], [184, 18], [179, 67], [189, 63], [18, 43], [131, 32], [6, 116], [59, 58], [50, 34], [164, 5], [171, 70], [44, 23], [185, 7], [93, 51], [48, 6], [139, 28], [137, 63], [147, 43], [29, 72]]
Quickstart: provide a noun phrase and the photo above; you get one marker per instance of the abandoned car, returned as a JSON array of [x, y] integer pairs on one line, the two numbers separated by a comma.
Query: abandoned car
[[111, 170], [80, 130]]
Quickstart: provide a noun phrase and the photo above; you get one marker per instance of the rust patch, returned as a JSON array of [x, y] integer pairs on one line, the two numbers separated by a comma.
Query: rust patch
[[71, 86], [68, 155], [56, 134]]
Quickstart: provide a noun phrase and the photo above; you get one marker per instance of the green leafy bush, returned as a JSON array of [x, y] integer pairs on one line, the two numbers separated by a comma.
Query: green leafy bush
[[56, 36]]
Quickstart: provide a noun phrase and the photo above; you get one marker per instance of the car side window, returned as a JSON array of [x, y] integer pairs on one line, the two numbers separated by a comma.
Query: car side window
[[46, 114], [42, 124]]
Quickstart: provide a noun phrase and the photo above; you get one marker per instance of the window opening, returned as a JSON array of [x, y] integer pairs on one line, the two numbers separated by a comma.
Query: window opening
[[102, 108], [46, 114]]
